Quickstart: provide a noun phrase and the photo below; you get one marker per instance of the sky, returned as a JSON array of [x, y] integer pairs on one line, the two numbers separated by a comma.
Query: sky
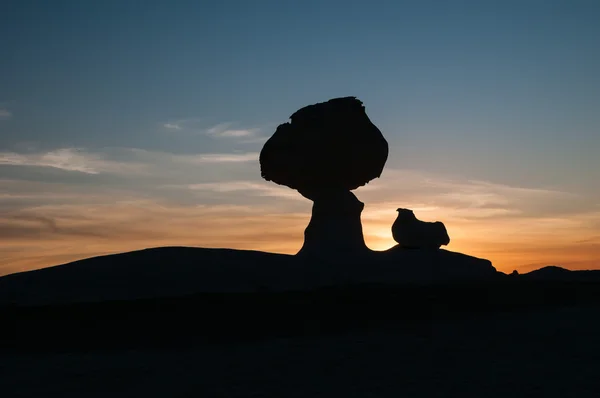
[[132, 124]]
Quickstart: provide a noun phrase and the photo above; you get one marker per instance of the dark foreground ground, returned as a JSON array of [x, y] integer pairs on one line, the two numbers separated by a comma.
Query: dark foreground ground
[[511, 338]]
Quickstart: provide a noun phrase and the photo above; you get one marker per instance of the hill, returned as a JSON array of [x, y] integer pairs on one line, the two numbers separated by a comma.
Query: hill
[[178, 271]]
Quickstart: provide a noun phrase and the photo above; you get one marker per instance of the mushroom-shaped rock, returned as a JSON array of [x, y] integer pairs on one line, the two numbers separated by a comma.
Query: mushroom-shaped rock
[[412, 233], [329, 146], [324, 152]]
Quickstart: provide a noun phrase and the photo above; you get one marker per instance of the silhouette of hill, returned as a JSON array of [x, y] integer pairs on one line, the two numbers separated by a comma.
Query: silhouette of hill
[[555, 273], [178, 271], [168, 271], [223, 295]]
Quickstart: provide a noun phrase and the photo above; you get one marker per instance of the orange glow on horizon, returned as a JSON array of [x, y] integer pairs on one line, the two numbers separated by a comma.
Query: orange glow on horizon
[[515, 228], [509, 244]]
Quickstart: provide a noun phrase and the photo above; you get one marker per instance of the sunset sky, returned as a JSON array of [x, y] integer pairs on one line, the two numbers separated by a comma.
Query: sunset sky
[[134, 124]]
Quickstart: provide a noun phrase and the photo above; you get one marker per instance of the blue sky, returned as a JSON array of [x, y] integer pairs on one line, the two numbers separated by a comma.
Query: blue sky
[[505, 93]]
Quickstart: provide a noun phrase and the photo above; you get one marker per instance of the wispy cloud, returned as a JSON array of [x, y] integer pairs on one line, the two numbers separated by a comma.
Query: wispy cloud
[[227, 130], [218, 158], [466, 198], [5, 114], [184, 125], [259, 189], [69, 159], [172, 126], [253, 140], [130, 160]]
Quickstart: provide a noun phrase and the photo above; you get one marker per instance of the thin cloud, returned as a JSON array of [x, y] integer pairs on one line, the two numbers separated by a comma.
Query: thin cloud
[[254, 140], [226, 130], [68, 159], [255, 188], [593, 239], [5, 114], [131, 160], [237, 133], [466, 199], [49, 223], [172, 126], [187, 124], [218, 158]]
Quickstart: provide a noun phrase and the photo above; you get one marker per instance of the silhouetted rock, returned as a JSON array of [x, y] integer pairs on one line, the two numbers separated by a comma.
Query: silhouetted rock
[[329, 146], [157, 272], [179, 271], [325, 151], [559, 274], [412, 233], [335, 227], [439, 266]]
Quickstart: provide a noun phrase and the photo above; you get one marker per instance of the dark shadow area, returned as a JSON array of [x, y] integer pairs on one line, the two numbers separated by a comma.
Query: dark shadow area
[[237, 317]]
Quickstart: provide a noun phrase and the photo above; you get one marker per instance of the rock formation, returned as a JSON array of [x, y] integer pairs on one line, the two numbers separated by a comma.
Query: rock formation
[[335, 226], [324, 152], [329, 146], [412, 233]]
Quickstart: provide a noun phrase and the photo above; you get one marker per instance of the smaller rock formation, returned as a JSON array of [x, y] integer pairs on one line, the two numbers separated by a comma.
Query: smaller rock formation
[[412, 233]]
